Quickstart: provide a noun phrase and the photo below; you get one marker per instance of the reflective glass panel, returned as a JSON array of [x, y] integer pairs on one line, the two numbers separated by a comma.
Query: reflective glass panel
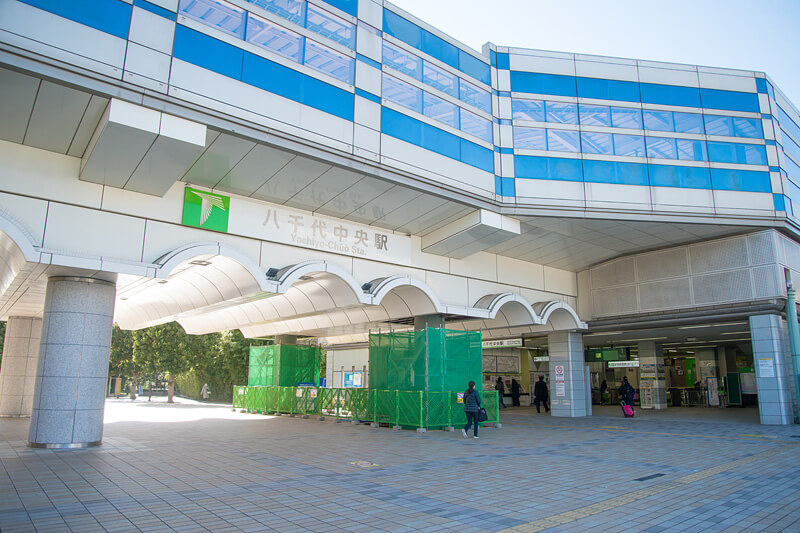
[[330, 26], [629, 145], [689, 150], [624, 117], [659, 121], [441, 110], [402, 93], [718, 125], [293, 10], [596, 143], [474, 95], [744, 154], [527, 110], [561, 113], [216, 13], [329, 61], [399, 59], [748, 127], [662, 148], [563, 141], [688, 122], [475, 125], [440, 79], [275, 38], [595, 115], [530, 138]]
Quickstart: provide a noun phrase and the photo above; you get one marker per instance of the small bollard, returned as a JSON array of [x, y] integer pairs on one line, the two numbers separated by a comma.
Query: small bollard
[[397, 428], [450, 429], [421, 430]]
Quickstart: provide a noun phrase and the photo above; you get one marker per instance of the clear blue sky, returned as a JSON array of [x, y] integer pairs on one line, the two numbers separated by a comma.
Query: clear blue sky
[[761, 35]]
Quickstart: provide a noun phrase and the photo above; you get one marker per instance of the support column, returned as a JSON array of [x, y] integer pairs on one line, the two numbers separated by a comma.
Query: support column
[[73, 363], [18, 369], [428, 321], [773, 365], [651, 375], [566, 353]]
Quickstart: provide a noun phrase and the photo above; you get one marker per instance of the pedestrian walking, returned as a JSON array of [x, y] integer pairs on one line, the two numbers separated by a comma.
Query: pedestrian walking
[[626, 397], [472, 404], [603, 389], [541, 396], [205, 392], [500, 387], [515, 390]]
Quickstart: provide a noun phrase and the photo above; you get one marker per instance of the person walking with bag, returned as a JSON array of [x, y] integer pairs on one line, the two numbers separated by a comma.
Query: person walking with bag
[[472, 404], [500, 387], [540, 395]]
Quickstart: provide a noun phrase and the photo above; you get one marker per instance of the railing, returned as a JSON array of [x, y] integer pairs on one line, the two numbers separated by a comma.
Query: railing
[[406, 409]]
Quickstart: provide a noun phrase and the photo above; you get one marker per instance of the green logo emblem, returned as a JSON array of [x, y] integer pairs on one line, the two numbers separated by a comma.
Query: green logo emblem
[[205, 210]]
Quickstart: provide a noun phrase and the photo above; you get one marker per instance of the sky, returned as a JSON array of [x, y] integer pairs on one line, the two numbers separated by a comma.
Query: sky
[[762, 35]]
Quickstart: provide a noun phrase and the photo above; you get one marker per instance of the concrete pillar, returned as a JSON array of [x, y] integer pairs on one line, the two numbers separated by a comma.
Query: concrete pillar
[[73, 363], [652, 380], [428, 321], [706, 361], [18, 367], [773, 365], [568, 388]]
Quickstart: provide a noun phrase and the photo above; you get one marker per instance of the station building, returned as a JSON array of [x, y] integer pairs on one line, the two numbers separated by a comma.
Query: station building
[[319, 170]]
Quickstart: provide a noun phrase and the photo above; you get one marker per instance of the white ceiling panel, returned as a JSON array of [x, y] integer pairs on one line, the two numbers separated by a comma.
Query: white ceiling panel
[[217, 160], [56, 115], [354, 197], [91, 118], [259, 165], [291, 179], [373, 211], [422, 205], [18, 95], [323, 189]]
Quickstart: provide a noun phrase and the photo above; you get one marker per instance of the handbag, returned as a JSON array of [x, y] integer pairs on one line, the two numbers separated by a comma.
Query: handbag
[[482, 416]]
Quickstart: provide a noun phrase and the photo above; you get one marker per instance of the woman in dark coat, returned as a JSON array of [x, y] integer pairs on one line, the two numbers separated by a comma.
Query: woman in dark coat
[[472, 403], [515, 389], [540, 395]]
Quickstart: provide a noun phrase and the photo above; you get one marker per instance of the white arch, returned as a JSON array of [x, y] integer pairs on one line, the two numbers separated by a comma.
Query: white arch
[[289, 275], [494, 302], [380, 287], [21, 238], [565, 317]]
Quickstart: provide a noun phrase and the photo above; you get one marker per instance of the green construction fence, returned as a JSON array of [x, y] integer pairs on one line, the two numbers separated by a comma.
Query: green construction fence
[[283, 365], [407, 409]]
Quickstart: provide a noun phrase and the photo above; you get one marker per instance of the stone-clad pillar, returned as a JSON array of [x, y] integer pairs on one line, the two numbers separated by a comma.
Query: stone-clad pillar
[[567, 388], [18, 367], [651, 375], [773, 362], [73, 363]]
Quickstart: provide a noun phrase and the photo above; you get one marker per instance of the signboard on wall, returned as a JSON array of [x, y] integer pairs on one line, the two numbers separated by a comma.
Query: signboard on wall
[[352, 379], [502, 343], [561, 389], [623, 364], [766, 368]]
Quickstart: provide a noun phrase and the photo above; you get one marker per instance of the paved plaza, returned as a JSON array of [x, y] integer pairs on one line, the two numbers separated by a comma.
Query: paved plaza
[[192, 467]]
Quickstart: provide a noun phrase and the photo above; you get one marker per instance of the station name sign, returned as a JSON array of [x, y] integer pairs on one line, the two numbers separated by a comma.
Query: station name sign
[[623, 364], [502, 343]]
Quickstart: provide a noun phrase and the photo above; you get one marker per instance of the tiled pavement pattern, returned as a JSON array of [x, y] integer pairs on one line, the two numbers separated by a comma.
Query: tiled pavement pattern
[[225, 471]]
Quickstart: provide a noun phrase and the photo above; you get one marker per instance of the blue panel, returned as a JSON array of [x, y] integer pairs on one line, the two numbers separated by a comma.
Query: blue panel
[[531, 82], [369, 61], [547, 168], [527, 110], [761, 85], [502, 61], [615, 172], [672, 176], [204, 51], [283, 81], [498, 185], [348, 6], [506, 150], [109, 16], [653, 93], [493, 58], [778, 201], [731, 100], [626, 91], [437, 47], [158, 10], [473, 66], [509, 187], [369, 96], [740, 180], [401, 126], [477, 156], [743, 154], [397, 26]]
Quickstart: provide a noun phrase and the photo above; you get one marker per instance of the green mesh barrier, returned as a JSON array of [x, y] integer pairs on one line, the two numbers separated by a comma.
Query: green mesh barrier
[[283, 365]]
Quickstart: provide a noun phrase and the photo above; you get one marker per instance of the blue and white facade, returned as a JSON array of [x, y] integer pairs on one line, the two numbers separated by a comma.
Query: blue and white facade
[[372, 171]]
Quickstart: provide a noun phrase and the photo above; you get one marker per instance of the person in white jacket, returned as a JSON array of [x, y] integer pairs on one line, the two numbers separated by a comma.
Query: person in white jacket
[[205, 392]]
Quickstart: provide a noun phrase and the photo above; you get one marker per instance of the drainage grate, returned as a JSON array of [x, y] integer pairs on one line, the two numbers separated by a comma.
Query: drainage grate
[[645, 478]]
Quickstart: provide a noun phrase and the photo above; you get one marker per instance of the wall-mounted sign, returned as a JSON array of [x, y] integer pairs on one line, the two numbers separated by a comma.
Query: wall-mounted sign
[[502, 343], [352, 379], [206, 210], [623, 364], [541, 359], [766, 368]]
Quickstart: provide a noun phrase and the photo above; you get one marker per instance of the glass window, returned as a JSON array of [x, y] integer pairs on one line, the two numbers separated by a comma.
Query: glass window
[[717, 125], [689, 150], [629, 145], [597, 143], [659, 121], [216, 13], [475, 125], [402, 93], [329, 61], [744, 154], [530, 138], [748, 127], [527, 110], [440, 79], [661, 148], [561, 113], [563, 141], [688, 122], [293, 10], [625, 117], [399, 59], [441, 110], [595, 115], [330, 26], [279, 40], [475, 96]]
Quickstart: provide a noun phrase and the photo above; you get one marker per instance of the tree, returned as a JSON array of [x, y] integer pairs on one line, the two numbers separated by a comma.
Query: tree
[[121, 360], [166, 348]]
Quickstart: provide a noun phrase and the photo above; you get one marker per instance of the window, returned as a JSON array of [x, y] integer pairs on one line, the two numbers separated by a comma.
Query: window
[[673, 121], [216, 13], [279, 40], [595, 115], [716, 125], [662, 148], [745, 154], [475, 96], [441, 110], [293, 10], [399, 59], [624, 117], [597, 143], [629, 145], [329, 61], [530, 138], [748, 127], [440, 79], [689, 150], [330, 26], [527, 110], [475, 125], [561, 113], [563, 141], [402, 93], [688, 122], [659, 121]]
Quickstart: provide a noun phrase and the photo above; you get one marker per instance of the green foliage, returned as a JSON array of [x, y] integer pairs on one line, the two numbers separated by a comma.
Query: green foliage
[[121, 360], [2, 338]]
